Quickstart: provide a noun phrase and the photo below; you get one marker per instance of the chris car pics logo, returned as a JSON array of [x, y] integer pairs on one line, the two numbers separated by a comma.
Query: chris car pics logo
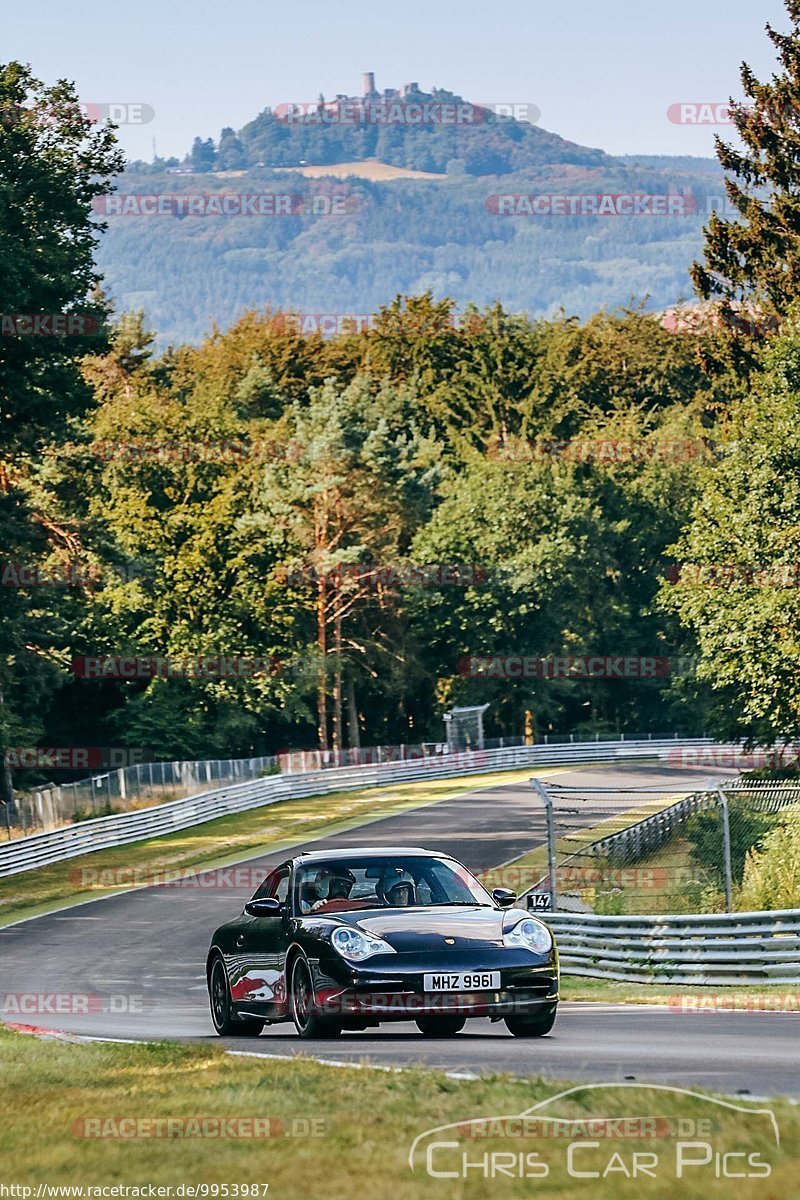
[[636, 1131]]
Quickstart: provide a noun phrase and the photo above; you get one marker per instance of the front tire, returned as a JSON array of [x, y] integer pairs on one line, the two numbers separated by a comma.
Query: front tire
[[537, 1026], [226, 1022], [307, 1023], [440, 1026]]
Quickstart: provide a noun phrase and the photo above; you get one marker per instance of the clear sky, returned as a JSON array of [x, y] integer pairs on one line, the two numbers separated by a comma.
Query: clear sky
[[602, 72]]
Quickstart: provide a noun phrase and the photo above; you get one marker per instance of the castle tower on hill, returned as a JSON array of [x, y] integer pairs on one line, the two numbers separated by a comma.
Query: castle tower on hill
[[370, 92]]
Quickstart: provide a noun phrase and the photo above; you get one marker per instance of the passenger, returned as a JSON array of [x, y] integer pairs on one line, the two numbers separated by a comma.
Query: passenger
[[397, 890]]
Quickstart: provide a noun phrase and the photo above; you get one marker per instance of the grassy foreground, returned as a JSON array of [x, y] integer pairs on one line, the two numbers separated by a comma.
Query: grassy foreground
[[763, 996], [227, 840], [338, 1132]]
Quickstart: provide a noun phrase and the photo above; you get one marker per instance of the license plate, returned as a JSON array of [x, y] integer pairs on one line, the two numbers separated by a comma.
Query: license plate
[[462, 981]]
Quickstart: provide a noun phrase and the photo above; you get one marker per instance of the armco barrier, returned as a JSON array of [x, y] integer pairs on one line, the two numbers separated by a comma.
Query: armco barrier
[[41, 849], [717, 949]]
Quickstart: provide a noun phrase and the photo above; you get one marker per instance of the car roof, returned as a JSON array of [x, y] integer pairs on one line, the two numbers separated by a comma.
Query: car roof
[[367, 852]]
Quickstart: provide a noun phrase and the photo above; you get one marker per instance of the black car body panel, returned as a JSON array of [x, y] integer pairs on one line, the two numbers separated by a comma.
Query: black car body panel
[[259, 952]]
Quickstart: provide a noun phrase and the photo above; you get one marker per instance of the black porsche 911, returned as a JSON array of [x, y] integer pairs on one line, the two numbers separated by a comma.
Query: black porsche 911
[[345, 939]]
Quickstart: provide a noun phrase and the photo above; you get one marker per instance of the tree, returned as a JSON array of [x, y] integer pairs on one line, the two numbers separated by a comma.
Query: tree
[[350, 503], [203, 156], [231, 154], [53, 165], [755, 256], [737, 585], [704, 834]]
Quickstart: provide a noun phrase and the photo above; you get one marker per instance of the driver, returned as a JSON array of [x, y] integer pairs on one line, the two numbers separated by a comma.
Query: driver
[[397, 889], [334, 885]]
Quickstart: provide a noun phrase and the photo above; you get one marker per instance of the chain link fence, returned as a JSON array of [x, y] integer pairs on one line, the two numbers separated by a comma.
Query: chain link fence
[[294, 762], [145, 784], [729, 847], [124, 790]]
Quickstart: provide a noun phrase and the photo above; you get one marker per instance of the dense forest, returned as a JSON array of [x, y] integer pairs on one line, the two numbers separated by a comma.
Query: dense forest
[[368, 241], [366, 529]]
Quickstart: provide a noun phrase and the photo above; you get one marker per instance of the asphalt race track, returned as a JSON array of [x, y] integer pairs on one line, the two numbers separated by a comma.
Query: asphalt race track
[[139, 958]]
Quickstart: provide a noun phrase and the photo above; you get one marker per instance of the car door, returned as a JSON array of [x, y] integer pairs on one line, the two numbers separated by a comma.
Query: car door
[[257, 980]]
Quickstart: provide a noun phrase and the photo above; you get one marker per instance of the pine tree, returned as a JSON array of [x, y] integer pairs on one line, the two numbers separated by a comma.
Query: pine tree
[[755, 256]]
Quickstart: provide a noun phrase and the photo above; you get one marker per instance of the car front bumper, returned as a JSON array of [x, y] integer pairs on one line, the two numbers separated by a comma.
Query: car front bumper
[[396, 989]]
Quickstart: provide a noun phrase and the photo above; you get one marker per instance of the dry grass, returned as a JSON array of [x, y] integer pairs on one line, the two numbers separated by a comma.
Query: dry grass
[[370, 168], [366, 1122]]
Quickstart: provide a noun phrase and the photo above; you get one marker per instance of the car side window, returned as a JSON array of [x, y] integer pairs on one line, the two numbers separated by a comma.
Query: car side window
[[276, 884]]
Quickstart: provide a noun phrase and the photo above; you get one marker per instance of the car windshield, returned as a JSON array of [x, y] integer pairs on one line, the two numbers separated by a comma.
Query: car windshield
[[386, 881]]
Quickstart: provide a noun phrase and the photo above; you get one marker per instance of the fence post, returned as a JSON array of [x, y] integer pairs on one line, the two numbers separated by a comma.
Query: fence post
[[551, 839], [726, 848]]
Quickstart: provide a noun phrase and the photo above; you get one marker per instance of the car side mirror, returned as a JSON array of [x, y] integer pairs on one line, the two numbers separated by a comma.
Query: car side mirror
[[268, 907], [504, 897]]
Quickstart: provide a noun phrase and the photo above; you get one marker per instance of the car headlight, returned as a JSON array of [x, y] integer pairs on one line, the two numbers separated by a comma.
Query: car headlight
[[355, 945], [530, 934]]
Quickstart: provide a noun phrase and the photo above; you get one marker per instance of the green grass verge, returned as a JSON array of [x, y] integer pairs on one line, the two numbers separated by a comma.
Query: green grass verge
[[226, 840], [364, 1124], [576, 987]]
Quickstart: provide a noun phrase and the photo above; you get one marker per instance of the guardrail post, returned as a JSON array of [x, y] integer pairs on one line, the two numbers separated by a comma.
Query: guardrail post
[[726, 848], [551, 840]]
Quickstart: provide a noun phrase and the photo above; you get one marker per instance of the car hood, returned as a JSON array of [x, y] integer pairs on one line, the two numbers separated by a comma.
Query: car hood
[[421, 928]]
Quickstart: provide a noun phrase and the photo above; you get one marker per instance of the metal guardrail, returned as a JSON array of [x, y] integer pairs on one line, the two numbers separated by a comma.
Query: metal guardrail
[[645, 836], [42, 849], [771, 796], [717, 949], [127, 788], [632, 842]]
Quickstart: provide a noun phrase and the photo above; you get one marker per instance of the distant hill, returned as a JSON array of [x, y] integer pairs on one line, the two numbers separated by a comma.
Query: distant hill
[[349, 245], [490, 146], [422, 131]]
